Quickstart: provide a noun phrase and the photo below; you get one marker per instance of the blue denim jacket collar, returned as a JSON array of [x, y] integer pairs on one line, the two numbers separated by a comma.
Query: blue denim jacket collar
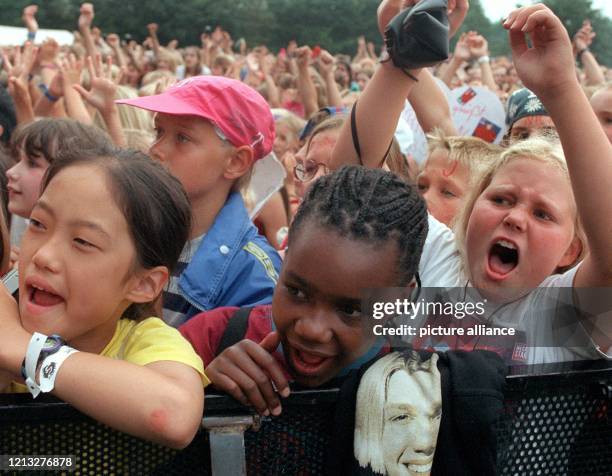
[[201, 281]]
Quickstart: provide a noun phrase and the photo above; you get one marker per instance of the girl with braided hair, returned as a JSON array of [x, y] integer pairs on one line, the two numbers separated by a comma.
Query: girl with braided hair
[[356, 229]]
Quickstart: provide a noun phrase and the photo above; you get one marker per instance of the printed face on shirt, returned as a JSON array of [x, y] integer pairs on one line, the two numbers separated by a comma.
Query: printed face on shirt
[[412, 413], [192, 151], [398, 413], [77, 260], [24, 179], [521, 228], [317, 302], [443, 183]]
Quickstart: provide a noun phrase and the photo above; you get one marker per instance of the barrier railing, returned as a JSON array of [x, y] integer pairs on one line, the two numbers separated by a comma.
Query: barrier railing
[[557, 420]]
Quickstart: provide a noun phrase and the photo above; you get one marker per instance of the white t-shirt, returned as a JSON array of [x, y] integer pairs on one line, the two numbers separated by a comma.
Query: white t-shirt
[[547, 315], [440, 264]]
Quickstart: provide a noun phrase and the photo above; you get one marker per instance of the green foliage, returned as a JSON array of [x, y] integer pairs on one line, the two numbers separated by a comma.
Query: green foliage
[[333, 24], [574, 12]]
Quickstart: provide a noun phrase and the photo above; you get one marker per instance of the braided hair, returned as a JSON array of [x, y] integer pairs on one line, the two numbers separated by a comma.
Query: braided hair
[[370, 205]]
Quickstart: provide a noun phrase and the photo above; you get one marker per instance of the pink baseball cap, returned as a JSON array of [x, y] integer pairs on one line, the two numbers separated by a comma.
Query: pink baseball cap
[[238, 111]]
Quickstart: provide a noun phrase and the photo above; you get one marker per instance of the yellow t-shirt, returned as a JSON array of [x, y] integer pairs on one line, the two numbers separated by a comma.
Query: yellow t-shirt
[[142, 343]]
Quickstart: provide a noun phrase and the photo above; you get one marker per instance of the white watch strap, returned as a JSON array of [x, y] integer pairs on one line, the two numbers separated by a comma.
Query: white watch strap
[[31, 360], [50, 367]]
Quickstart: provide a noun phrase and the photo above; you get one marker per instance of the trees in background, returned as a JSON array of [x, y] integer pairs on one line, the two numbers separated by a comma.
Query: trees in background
[[333, 24]]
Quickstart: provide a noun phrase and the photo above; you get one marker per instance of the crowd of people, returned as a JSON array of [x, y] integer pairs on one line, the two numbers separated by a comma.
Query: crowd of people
[[126, 210]]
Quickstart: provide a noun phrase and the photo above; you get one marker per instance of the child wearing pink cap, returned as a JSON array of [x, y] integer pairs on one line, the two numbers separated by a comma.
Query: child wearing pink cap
[[210, 131]]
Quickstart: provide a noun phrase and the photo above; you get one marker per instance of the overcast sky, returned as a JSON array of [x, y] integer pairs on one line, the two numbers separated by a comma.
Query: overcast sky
[[497, 9]]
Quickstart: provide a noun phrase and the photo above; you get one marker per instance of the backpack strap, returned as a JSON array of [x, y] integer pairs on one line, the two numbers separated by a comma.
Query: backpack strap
[[236, 329], [356, 137]]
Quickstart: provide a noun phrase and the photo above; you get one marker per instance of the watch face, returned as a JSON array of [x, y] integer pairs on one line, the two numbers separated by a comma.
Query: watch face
[[52, 343]]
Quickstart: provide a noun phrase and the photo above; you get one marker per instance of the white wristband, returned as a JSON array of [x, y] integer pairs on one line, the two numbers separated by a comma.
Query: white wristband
[[483, 59], [31, 361], [50, 367]]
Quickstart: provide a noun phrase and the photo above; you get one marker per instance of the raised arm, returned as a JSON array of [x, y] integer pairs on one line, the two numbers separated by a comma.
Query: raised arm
[[582, 40], [431, 106], [152, 29], [19, 74], [379, 107], [86, 16], [479, 50], [547, 68], [461, 54], [115, 44], [326, 69], [29, 20], [70, 71], [102, 97], [305, 85]]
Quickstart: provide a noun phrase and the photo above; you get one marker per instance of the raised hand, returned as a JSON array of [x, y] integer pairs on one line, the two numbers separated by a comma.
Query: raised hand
[[462, 48], [152, 28], [303, 55], [19, 70], [326, 63], [29, 18], [457, 11], [546, 66], [113, 40], [86, 15], [48, 52], [103, 86], [70, 69], [583, 37], [478, 45]]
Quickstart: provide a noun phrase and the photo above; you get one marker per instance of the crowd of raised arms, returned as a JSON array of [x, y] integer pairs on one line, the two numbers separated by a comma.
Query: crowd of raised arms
[[127, 200]]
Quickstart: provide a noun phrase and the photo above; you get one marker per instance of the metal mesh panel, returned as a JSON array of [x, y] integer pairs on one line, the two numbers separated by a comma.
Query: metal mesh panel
[[293, 444], [557, 424], [559, 428]]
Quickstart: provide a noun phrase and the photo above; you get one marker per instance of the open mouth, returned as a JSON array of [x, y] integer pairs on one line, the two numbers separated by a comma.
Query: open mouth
[[503, 257], [307, 363], [43, 298]]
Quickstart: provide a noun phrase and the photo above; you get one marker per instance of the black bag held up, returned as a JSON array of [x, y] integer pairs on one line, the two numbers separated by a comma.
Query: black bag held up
[[418, 37]]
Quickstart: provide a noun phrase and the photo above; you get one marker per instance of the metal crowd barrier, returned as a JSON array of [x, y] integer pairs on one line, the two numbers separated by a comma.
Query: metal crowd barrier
[[557, 420]]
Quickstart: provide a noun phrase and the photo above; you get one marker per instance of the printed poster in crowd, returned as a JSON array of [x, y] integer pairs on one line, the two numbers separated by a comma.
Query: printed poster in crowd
[[409, 133], [477, 111]]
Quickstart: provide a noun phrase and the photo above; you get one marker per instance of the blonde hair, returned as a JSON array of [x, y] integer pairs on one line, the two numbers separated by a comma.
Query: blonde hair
[[154, 76], [397, 163], [294, 123], [473, 153], [139, 139], [172, 58], [133, 117], [540, 148], [132, 120]]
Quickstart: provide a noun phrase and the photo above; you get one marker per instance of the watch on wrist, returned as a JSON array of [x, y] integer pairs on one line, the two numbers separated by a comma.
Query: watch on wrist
[[51, 346]]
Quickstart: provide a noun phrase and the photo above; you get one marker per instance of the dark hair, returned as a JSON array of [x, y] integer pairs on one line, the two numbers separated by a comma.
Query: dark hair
[[6, 162], [153, 202], [370, 205], [8, 119], [49, 137]]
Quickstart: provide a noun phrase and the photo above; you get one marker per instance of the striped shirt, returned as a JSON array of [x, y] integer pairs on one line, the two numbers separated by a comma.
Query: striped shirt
[[175, 305]]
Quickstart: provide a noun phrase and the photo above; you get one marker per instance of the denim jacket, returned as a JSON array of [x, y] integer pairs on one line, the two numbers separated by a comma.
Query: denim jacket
[[233, 266]]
